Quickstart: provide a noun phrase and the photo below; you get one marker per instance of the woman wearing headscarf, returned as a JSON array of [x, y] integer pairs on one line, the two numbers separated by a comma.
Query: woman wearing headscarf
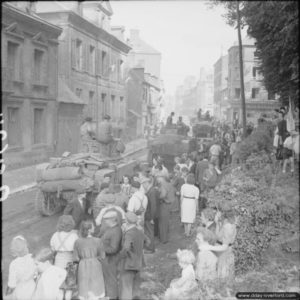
[[22, 270], [158, 169]]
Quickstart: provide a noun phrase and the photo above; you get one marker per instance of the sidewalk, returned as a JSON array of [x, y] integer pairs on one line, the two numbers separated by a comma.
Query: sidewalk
[[22, 179]]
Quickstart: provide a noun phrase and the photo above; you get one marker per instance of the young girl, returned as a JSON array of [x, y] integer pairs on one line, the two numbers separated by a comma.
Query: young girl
[[206, 264], [126, 186], [89, 253], [180, 287], [50, 277], [22, 270]]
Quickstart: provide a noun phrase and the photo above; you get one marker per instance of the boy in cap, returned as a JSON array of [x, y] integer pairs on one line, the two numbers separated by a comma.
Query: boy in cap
[[131, 257], [77, 208]]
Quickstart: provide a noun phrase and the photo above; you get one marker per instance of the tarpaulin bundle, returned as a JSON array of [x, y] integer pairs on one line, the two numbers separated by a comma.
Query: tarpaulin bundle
[[67, 185], [65, 173]]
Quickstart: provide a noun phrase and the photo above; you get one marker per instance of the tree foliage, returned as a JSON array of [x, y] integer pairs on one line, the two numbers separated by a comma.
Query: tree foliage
[[274, 26]]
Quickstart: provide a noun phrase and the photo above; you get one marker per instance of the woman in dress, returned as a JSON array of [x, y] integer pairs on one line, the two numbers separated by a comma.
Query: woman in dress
[[210, 177], [22, 271], [88, 253], [126, 186], [189, 202], [50, 277], [63, 240]]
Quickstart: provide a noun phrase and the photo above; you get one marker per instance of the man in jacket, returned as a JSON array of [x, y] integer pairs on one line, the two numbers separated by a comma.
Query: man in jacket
[[112, 240], [77, 208], [131, 257], [151, 211]]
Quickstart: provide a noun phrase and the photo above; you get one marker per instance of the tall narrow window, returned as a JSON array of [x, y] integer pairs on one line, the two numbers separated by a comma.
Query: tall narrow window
[[122, 109], [12, 60], [255, 92], [78, 92], [38, 66], [13, 126], [120, 70], [237, 93], [38, 126], [104, 63], [92, 103], [79, 55], [113, 107], [254, 69], [103, 104], [92, 60]]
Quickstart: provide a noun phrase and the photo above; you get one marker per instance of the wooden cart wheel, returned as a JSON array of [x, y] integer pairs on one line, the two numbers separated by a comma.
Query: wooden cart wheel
[[46, 203]]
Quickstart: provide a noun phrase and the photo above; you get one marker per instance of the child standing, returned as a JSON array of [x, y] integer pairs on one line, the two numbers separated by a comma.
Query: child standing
[[180, 287], [22, 270], [50, 279], [126, 186], [206, 264]]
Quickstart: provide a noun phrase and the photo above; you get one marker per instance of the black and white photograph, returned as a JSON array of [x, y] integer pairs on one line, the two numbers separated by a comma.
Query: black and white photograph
[[150, 150]]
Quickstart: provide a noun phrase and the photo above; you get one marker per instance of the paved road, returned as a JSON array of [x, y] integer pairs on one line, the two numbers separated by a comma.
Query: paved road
[[19, 217]]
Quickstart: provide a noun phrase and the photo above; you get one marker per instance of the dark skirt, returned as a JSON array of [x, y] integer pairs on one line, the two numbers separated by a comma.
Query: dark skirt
[[286, 153]]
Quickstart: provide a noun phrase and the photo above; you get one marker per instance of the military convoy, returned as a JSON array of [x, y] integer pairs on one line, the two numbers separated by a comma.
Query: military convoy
[[60, 179]]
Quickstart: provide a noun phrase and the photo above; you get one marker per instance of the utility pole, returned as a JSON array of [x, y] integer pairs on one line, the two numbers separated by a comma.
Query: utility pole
[[241, 68]]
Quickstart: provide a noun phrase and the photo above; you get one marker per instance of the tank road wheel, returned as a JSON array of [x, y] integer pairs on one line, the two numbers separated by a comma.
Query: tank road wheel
[[47, 204]]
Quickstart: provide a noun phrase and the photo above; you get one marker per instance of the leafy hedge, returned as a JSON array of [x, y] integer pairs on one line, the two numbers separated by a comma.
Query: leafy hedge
[[264, 214], [261, 139]]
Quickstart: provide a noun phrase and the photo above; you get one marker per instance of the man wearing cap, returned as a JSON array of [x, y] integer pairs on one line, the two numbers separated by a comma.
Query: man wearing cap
[[105, 135], [131, 257], [77, 208], [87, 135], [112, 240]]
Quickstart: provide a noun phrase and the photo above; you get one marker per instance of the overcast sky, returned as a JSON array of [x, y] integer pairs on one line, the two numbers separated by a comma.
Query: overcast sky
[[187, 33]]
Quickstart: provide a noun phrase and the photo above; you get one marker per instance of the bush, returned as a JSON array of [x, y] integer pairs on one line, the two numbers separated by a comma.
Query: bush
[[264, 213], [260, 139]]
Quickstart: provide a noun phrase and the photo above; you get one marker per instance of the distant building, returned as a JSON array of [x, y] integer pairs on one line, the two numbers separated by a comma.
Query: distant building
[[91, 60], [143, 56], [29, 83], [220, 87], [258, 100], [205, 91]]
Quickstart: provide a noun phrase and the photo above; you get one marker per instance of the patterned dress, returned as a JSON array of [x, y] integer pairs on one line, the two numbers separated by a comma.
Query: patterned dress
[[88, 251]]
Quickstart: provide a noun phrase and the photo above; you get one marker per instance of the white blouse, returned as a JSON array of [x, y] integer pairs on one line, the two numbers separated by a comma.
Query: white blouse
[[63, 241]]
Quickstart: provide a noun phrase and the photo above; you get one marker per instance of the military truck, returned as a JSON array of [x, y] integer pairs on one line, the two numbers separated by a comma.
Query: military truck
[[59, 179]]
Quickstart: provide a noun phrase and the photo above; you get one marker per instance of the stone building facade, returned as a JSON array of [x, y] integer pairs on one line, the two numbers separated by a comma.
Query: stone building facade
[[91, 59], [29, 51], [258, 100]]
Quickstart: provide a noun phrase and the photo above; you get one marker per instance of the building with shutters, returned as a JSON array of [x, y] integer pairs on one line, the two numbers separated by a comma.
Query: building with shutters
[[29, 49], [91, 58]]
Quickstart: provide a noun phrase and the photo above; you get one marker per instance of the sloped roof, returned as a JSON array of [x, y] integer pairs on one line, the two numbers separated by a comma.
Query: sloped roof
[[65, 94], [139, 46]]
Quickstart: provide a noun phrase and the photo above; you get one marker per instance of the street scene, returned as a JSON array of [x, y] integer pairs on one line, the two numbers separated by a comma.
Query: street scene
[[150, 150]]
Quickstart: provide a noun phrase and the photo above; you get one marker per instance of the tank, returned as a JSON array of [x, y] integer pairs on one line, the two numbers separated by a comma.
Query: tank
[[170, 144], [59, 180]]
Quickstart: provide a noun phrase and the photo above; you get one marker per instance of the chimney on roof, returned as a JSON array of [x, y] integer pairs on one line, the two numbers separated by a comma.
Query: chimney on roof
[[134, 34]]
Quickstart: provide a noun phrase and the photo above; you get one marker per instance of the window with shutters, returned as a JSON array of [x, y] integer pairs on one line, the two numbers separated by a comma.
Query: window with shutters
[[78, 55], [103, 104], [13, 127], [14, 60], [254, 70], [39, 132], [78, 92], [92, 61]]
